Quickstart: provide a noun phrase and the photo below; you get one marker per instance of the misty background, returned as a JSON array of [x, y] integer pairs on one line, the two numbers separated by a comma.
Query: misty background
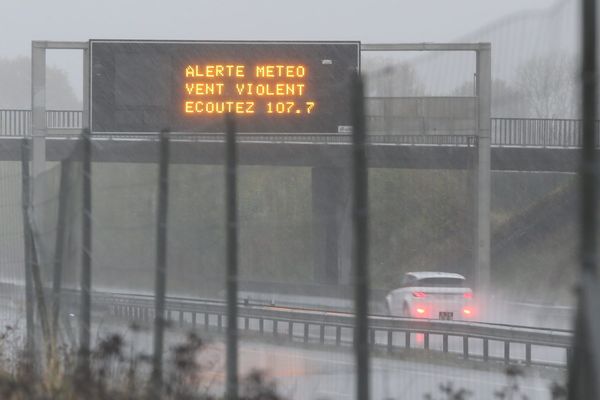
[[534, 71], [420, 218], [535, 75], [533, 43]]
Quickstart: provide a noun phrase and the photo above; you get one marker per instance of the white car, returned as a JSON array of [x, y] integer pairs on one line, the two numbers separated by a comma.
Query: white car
[[432, 295]]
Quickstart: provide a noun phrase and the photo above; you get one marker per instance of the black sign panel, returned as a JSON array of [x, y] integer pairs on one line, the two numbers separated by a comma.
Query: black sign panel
[[270, 87]]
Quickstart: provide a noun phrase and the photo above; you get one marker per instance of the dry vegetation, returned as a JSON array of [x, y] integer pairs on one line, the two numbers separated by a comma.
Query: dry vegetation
[[115, 373]]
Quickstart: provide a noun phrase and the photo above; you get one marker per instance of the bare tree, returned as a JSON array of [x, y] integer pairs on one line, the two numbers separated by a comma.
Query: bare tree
[[548, 86], [15, 84], [390, 78], [507, 100]]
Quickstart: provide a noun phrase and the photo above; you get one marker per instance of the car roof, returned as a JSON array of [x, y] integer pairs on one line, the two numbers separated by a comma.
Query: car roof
[[434, 274]]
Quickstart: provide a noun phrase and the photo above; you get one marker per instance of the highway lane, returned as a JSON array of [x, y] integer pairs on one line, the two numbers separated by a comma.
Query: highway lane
[[456, 344], [332, 376], [551, 356], [305, 372]]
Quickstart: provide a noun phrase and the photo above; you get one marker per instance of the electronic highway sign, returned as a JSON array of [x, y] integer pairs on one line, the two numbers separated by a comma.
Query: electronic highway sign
[[189, 86]]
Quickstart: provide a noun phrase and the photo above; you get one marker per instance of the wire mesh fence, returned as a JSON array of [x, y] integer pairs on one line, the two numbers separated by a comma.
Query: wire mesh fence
[[296, 238], [284, 212], [12, 252]]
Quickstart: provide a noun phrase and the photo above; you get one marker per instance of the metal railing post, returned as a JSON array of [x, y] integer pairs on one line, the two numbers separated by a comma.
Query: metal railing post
[[86, 253]]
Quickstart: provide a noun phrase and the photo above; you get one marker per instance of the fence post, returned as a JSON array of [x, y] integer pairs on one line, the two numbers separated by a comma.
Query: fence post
[[161, 262], [86, 253], [584, 364], [58, 249], [27, 236], [231, 391], [37, 290], [360, 259]]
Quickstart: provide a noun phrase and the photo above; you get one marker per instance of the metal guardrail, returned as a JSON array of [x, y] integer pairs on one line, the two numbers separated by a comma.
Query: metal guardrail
[[518, 132], [330, 324]]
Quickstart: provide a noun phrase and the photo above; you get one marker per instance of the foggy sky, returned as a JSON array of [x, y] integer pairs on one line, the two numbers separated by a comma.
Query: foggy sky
[[368, 21]]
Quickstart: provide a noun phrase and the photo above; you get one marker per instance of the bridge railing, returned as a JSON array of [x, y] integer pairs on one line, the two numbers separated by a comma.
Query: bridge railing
[[521, 132], [69, 119], [15, 122], [538, 132], [18, 122]]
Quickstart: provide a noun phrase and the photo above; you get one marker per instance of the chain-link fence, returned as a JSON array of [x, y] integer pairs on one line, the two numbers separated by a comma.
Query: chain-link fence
[[351, 264]]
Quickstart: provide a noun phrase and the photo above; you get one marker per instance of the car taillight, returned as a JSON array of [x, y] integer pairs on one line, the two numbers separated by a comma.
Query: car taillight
[[420, 310], [468, 295], [419, 294], [468, 312]]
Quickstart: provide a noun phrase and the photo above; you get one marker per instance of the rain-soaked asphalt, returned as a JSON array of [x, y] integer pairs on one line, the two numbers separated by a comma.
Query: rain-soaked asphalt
[[307, 372]]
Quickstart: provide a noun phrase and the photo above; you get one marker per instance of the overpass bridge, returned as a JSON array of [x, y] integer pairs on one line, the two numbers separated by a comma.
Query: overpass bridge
[[518, 144], [330, 151]]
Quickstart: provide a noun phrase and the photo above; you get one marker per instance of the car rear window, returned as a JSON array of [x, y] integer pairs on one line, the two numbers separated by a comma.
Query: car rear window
[[441, 282]]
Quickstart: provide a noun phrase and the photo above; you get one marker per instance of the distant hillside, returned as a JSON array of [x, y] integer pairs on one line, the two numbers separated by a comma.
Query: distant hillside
[[534, 252]]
